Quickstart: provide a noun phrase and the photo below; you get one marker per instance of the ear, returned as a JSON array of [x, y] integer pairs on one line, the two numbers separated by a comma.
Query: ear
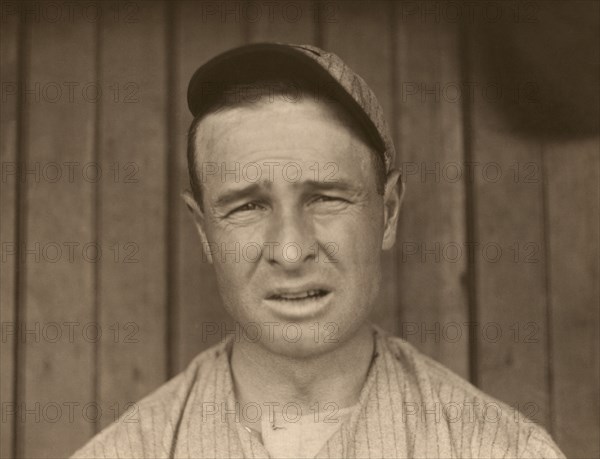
[[392, 201], [199, 221]]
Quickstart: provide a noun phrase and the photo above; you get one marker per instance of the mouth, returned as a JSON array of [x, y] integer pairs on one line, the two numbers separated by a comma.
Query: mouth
[[299, 303], [299, 296]]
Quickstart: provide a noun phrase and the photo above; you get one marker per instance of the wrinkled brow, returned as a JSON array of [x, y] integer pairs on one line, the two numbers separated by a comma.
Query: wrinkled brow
[[308, 186], [229, 196], [333, 185]]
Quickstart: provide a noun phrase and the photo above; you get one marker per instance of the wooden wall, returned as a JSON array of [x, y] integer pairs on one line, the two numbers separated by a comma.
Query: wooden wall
[[495, 271]]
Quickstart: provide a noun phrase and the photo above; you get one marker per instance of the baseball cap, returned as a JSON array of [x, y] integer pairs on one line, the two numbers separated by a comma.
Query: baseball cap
[[325, 69]]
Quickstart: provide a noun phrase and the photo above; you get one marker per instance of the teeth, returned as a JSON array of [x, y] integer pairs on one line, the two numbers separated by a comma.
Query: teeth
[[301, 295]]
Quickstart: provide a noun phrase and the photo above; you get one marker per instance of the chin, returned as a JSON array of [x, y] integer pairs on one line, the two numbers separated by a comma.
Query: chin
[[313, 338], [304, 348]]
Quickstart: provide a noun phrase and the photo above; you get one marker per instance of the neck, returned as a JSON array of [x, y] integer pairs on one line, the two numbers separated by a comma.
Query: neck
[[269, 379]]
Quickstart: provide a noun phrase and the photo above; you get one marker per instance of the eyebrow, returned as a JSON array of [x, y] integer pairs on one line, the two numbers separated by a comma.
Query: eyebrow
[[338, 184], [230, 196]]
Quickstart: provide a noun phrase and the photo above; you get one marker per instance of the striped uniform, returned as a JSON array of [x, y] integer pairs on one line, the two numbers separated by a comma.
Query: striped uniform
[[410, 406]]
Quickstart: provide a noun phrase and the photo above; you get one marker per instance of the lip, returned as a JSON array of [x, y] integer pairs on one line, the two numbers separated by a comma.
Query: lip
[[298, 309], [297, 289]]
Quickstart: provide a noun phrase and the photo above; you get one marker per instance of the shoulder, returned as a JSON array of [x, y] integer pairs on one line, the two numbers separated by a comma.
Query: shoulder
[[470, 421], [147, 428]]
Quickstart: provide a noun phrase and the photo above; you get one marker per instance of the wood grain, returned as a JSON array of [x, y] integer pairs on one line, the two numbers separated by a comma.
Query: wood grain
[[293, 22], [9, 118], [201, 34], [433, 255], [132, 208], [510, 258], [58, 288], [571, 177]]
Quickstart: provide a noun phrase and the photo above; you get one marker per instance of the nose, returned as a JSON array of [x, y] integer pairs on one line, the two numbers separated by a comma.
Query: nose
[[291, 240]]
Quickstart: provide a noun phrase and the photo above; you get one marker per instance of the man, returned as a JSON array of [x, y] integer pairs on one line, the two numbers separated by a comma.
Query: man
[[294, 195]]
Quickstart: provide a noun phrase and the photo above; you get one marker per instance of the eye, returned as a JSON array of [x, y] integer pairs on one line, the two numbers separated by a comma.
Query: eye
[[325, 198], [248, 207]]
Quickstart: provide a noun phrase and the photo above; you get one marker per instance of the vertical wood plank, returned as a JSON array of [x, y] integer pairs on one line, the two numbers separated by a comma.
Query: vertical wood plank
[[9, 117], [132, 208], [510, 257], [572, 177], [292, 22], [433, 255], [203, 29], [360, 33], [58, 287]]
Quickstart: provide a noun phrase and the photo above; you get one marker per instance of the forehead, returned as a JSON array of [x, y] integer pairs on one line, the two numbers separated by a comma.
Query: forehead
[[304, 130]]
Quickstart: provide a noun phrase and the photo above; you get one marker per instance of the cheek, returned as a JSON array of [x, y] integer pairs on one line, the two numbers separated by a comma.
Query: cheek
[[357, 236], [233, 246], [229, 254], [235, 289]]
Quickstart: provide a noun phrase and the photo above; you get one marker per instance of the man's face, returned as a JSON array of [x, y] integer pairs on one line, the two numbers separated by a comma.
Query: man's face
[[293, 222]]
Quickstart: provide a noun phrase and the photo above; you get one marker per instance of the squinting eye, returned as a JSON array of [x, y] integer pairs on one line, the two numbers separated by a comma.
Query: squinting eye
[[246, 208], [323, 198]]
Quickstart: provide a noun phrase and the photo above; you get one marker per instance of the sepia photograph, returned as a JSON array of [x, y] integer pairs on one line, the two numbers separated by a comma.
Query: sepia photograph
[[300, 229]]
